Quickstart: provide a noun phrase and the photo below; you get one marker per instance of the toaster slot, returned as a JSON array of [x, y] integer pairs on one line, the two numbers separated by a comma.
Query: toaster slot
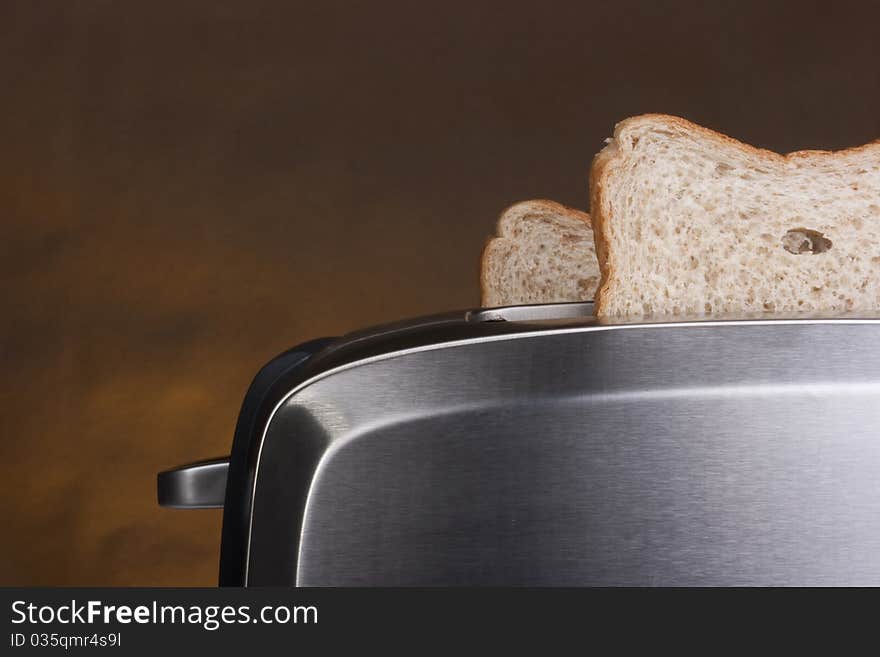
[[545, 312]]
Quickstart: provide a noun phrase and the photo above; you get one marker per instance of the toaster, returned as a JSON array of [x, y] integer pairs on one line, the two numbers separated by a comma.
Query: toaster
[[539, 446]]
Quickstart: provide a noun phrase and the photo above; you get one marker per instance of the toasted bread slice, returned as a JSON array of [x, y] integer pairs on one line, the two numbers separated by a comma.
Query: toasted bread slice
[[543, 253], [689, 221]]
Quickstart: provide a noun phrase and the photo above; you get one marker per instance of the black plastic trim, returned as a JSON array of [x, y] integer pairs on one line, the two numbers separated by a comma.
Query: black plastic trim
[[269, 386]]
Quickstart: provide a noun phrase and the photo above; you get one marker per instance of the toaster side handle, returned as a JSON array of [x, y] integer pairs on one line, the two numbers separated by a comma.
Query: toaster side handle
[[200, 485]]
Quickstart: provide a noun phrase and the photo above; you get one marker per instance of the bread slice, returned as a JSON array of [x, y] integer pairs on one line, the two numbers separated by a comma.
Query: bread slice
[[543, 253], [689, 221]]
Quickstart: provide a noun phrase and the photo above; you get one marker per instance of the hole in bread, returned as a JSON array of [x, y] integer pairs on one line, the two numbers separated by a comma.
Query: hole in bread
[[804, 240]]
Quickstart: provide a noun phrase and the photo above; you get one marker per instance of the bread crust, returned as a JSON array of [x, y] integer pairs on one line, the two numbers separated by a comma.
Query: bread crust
[[537, 206], [596, 182], [605, 161]]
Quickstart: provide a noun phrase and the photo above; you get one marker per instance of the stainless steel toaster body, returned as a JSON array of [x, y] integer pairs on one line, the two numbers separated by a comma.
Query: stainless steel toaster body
[[537, 446]]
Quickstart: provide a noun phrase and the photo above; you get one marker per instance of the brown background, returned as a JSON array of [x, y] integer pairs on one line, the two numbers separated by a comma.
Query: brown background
[[187, 189]]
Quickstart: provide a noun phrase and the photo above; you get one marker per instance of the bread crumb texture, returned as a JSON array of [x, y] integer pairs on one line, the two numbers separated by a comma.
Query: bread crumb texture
[[543, 253], [693, 222]]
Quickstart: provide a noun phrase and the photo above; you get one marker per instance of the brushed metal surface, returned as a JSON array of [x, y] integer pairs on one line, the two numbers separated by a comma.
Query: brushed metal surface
[[700, 454]]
